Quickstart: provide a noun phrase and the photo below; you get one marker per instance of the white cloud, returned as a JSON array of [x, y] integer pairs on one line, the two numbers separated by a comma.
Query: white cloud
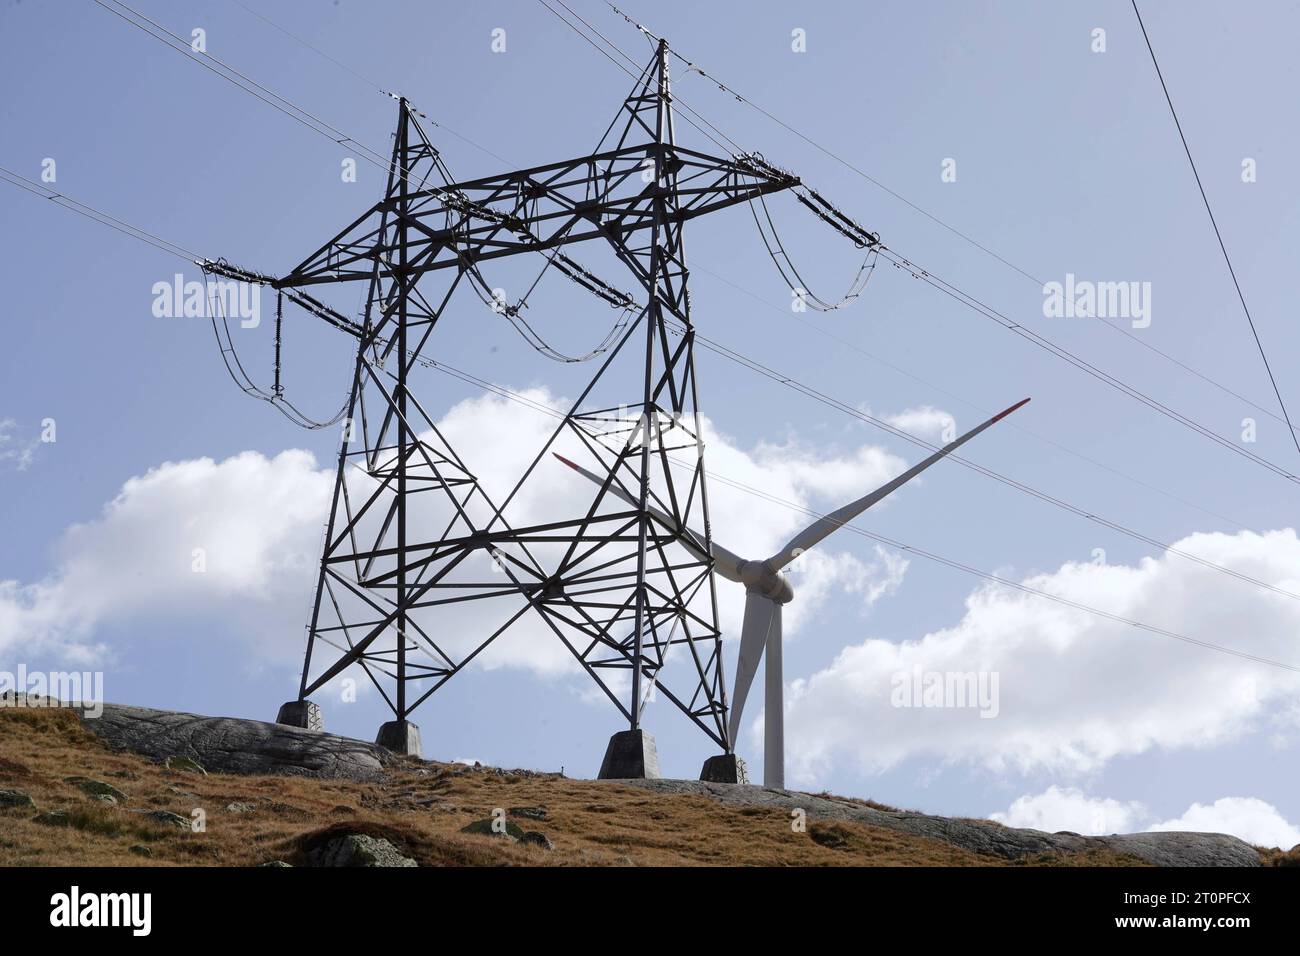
[[1058, 808], [259, 522], [14, 452], [1249, 818], [925, 422], [794, 471], [1075, 690], [254, 521]]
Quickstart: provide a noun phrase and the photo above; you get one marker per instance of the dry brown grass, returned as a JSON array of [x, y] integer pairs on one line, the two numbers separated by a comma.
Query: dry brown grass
[[1272, 856], [590, 823]]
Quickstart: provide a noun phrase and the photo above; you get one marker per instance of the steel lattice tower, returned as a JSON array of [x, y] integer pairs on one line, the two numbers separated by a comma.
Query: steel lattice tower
[[620, 586]]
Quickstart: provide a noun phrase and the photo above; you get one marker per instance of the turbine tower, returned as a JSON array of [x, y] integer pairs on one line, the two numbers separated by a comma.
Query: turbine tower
[[767, 590]]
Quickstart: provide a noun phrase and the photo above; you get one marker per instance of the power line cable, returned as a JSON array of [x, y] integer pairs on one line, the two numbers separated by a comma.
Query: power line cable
[[1083, 365], [307, 118], [1217, 234], [468, 378], [789, 382], [754, 366], [696, 268], [103, 218], [693, 67], [360, 76], [511, 395], [1045, 497], [545, 350], [563, 263], [983, 309]]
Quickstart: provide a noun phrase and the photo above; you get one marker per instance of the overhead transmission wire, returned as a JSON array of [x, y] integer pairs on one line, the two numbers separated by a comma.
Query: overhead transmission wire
[[1241, 297], [988, 312], [164, 245], [1010, 423], [1081, 364], [228, 355], [244, 381], [565, 264], [540, 346], [275, 398], [541, 407], [1052, 348], [849, 409], [776, 250], [44, 192], [361, 76], [694, 68], [1042, 342], [1042, 496], [785, 380], [954, 292], [858, 171]]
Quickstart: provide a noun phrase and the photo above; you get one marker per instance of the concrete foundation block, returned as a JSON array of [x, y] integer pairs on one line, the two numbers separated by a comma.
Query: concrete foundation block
[[724, 768], [401, 737], [631, 755], [301, 713]]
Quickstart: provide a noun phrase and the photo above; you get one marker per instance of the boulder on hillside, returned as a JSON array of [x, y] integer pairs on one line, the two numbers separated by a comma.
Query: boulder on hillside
[[235, 745]]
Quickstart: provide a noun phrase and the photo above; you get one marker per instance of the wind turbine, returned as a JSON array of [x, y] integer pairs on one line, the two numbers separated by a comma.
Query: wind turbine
[[767, 589]]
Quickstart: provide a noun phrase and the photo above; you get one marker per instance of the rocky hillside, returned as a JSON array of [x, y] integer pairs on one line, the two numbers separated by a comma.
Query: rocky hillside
[[141, 786]]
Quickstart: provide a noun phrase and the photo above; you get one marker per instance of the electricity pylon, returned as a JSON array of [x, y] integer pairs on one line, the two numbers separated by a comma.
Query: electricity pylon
[[618, 589]]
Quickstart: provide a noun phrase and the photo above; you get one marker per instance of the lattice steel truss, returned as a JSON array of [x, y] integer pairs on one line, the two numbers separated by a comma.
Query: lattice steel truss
[[620, 586]]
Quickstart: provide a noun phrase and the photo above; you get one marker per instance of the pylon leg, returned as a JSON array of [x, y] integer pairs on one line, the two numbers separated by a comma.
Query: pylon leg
[[631, 755], [401, 737], [301, 713], [724, 768]]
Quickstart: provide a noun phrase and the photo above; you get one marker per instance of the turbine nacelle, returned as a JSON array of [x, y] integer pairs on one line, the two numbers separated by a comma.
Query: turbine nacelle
[[760, 578]]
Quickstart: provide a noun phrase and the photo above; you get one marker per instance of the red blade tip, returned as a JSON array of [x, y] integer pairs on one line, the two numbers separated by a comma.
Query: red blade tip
[[1003, 414]]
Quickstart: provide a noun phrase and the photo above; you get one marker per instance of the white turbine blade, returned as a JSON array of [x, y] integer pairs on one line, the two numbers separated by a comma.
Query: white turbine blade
[[822, 527], [725, 562], [759, 613]]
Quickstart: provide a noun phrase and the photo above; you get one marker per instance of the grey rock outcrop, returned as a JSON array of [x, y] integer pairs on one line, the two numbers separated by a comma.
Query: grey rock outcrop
[[489, 827], [96, 788], [184, 764], [233, 745], [17, 798], [165, 818], [355, 849], [537, 838], [979, 836]]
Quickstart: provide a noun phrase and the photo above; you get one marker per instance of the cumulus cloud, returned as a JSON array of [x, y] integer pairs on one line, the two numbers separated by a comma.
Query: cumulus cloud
[[239, 540], [1249, 818], [186, 539], [926, 421], [1058, 808], [1075, 689], [14, 451]]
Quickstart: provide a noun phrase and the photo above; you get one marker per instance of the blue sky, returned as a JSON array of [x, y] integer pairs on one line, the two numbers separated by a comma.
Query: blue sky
[[1067, 162]]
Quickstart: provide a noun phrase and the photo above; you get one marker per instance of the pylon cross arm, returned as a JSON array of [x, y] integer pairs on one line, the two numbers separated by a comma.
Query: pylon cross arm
[[605, 196]]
